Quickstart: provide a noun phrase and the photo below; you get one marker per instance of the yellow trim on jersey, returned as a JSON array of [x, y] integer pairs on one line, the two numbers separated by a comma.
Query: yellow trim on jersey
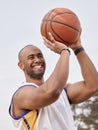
[[29, 120]]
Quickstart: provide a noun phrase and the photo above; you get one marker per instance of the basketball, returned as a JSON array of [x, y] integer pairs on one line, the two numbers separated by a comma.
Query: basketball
[[63, 24]]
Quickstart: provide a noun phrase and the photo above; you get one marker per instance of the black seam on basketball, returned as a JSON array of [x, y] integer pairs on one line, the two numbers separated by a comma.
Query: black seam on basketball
[[58, 35], [61, 22], [46, 23], [51, 21], [64, 13]]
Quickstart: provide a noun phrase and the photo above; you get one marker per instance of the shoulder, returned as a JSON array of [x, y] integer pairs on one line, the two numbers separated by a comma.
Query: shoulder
[[23, 89]]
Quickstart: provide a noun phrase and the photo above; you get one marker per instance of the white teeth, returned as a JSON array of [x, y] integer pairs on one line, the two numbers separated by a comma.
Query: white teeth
[[36, 67]]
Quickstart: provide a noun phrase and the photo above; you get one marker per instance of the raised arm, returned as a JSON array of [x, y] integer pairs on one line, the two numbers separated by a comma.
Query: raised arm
[[81, 91], [49, 91], [55, 83]]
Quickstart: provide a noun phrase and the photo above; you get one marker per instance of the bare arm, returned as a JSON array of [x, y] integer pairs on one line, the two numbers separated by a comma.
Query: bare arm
[[35, 98], [81, 91]]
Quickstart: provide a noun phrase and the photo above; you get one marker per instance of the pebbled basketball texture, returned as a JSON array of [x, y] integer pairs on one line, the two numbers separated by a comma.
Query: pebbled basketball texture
[[63, 24]]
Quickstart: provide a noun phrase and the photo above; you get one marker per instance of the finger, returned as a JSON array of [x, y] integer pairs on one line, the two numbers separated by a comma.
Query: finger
[[47, 43], [45, 39], [51, 37]]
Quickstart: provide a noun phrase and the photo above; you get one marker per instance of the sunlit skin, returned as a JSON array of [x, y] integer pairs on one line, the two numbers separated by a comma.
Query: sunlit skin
[[32, 62]]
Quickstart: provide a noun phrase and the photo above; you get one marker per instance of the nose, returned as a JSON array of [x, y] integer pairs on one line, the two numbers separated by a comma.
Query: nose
[[37, 59]]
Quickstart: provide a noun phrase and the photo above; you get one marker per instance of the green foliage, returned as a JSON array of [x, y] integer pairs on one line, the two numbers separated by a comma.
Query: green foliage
[[86, 114]]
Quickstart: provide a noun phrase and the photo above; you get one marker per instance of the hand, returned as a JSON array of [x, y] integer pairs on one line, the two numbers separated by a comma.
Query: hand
[[53, 44], [76, 45]]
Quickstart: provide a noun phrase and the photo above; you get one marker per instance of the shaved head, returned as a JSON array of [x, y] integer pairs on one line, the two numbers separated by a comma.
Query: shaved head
[[32, 62], [23, 50]]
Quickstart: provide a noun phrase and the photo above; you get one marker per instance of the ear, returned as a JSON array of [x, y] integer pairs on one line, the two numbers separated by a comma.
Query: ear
[[21, 65]]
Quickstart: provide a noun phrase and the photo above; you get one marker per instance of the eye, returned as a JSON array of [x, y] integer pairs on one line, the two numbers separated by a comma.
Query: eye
[[40, 55], [31, 57]]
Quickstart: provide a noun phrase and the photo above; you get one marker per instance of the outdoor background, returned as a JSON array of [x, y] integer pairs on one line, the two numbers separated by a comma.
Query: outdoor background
[[20, 25]]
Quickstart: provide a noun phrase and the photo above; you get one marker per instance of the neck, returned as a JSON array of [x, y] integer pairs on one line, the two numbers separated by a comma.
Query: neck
[[36, 81]]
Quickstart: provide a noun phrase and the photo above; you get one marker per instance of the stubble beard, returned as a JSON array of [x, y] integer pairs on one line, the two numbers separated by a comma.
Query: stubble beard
[[35, 75]]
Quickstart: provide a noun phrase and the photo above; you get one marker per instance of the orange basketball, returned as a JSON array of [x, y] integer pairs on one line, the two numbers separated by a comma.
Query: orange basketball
[[63, 24]]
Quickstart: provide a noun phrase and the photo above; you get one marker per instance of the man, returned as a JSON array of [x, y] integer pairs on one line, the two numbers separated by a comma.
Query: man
[[45, 105]]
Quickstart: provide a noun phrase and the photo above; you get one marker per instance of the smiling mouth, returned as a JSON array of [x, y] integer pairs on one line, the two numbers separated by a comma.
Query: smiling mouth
[[40, 66], [37, 66]]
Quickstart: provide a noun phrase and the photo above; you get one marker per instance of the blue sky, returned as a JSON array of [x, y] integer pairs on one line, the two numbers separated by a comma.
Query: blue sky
[[20, 25]]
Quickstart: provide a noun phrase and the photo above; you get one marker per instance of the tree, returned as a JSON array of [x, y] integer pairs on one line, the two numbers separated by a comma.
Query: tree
[[86, 114]]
